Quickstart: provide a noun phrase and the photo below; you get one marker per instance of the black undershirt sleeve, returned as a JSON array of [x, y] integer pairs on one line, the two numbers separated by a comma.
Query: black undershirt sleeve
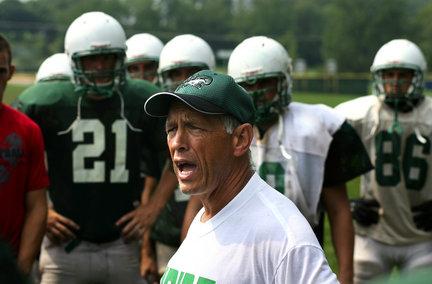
[[347, 157]]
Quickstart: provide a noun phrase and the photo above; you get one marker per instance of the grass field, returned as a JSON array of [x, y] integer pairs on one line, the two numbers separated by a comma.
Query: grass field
[[12, 91]]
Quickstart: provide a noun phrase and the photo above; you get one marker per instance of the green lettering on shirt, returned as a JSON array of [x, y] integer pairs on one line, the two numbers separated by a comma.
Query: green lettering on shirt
[[172, 276]]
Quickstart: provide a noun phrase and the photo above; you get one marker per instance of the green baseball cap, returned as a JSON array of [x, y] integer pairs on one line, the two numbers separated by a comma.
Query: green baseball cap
[[208, 92]]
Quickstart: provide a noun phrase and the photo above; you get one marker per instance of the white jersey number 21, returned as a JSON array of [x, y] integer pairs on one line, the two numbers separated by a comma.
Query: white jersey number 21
[[119, 174]]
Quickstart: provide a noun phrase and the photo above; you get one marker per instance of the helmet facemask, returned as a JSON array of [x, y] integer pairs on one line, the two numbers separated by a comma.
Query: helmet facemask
[[87, 80], [400, 100], [268, 110], [144, 69], [409, 91]]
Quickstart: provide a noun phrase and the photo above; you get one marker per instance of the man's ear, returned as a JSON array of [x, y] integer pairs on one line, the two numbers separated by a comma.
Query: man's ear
[[11, 71], [242, 139]]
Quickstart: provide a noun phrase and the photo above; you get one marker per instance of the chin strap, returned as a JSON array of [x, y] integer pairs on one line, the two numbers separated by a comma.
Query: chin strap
[[374, 114], [122, 115], [78, 116], [396, 126], [76, 120], [284, 151]]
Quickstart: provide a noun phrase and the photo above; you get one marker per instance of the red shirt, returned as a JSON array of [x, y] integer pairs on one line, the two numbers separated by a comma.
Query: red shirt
[[22, 169]]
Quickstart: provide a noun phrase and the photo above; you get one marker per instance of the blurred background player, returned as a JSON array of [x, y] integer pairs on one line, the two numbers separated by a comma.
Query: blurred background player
[[181, 57], [142, 56], [142, 61], [306, 152], [23, 176], [93, 128], [393, 216], [55, 67]]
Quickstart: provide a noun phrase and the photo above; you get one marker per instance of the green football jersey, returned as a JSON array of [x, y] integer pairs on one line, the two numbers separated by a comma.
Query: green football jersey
[[93, 150]]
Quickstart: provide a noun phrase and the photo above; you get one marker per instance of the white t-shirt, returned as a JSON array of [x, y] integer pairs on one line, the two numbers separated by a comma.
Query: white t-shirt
[[258, 237], [307, 134]]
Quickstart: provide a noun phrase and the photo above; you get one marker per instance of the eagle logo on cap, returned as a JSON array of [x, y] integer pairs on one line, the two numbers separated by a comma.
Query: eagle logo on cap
[[198, 82]]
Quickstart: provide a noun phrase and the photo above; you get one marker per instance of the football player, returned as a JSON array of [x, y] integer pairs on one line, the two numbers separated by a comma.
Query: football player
[[142, 56], [393, 216], [55, 67], [142, 61], [93, 128], [181, 57], [306, 152]]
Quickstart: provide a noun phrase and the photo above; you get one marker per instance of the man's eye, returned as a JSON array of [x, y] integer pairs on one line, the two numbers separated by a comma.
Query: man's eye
[[169, 130]]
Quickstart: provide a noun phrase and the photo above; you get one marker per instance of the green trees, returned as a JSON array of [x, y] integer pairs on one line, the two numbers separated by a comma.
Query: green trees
[[345, 30]]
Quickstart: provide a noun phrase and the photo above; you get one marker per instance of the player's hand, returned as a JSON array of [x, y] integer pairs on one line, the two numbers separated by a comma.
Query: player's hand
[[59, 228], [148, 263], [135, 223], [422, 216], [149, 269], [365, 211]]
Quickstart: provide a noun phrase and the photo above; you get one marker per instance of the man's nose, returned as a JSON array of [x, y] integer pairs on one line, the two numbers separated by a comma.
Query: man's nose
[[178, 141]]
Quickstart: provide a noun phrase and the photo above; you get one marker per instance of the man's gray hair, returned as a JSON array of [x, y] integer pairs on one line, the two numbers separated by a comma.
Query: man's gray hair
[[230, 123]]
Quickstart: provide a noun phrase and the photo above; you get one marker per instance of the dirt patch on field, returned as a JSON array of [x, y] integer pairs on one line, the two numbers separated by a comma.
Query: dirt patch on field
[[22, 78]]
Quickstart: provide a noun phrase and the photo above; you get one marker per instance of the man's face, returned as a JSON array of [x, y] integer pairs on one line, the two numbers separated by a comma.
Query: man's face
[[397, 81], [145, 70], [265, 90], [200, 148], [99, 67], [6, 72]]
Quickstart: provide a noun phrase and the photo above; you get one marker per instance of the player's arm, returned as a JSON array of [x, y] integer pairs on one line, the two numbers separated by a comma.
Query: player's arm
[[346, 159], [33, 229], [336, 203], [136, 222], [148, 263]]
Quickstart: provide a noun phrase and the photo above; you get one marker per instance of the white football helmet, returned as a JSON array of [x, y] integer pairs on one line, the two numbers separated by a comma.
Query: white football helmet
[[141, 48], [261, 57], [96, 33], [404, 54], [184, 51], [55, 67]]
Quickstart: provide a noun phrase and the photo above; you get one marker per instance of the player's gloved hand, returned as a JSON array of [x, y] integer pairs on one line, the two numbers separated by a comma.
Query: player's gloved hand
[[365, 211], [422, 216]]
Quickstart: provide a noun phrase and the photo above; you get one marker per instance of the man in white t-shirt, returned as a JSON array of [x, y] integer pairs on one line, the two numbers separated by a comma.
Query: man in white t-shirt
[[246, 232]]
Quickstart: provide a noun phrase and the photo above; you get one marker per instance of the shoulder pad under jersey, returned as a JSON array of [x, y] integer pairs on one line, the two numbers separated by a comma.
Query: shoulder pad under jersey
[[357, 109], [325, 115], [47, 93], [139, 89]]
